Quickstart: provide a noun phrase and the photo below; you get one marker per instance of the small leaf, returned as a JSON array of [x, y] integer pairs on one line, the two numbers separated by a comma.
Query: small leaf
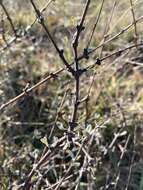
[[44, 141], [123, 133]]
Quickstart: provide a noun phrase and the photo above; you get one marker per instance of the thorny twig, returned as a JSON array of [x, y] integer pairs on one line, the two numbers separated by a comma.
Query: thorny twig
[[13, 40], [78, 71], [59, 51]]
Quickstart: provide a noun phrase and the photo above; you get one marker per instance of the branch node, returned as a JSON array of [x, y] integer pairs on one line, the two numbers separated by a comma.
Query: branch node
[[72, 126], [54, 76], [62, 51], [25, 89], [86, 53], [40, 18], [78, 27], [79, 72], [98, 61]]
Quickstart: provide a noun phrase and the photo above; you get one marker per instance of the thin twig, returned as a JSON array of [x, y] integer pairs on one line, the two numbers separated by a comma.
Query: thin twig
[[134, 21], [120, 161], [95, 25], [68, 170], [59, 51], [116, 35], [47, 155], [3, 31], [132, 159], [14, 39], [23, 94], [107, 27], [8, 17]]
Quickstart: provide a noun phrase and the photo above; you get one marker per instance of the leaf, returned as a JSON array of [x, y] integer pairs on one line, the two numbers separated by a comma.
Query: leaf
[[44, 141], [123, 133]]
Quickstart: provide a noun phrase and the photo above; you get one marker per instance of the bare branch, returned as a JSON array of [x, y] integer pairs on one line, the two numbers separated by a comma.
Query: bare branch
[[59, 51]]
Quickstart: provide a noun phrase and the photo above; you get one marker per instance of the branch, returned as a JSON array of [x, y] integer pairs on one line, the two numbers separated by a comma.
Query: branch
[[52, 75], [78, 72], [59, 51]]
